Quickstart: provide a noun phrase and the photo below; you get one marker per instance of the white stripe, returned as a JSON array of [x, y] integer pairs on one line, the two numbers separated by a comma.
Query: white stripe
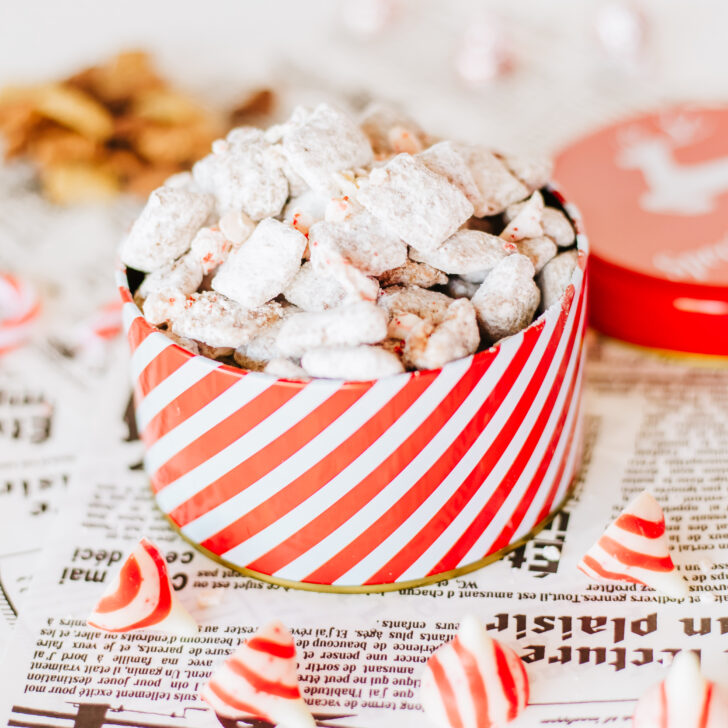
[[172, 387], [355, 472], [129, 312], [14, 336], [403, 534], [121, 279], [470, 510], [193, 427], [148, 350], [244, 447], [485, 541], [303, 460]]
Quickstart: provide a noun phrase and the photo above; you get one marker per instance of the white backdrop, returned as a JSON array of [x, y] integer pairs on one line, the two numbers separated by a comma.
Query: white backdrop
[[561, 85]]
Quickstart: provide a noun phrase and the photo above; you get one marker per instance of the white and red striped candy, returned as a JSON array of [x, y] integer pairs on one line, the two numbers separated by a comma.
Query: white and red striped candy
[[684, 700], [92, 336], [142, 597], [260, 680], [635, 548], [19, 307], [473, 681]]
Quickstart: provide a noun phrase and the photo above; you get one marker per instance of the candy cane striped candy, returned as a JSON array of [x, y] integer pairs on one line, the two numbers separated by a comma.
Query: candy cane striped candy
[[259, 680], [19, 307], [141, 597], [635, 548], [684, 700], [92, 336], [473, 681]]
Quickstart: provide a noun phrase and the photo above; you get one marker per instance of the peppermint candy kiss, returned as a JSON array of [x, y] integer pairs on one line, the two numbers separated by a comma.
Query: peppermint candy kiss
[[635, 548], [142, 597], [19, 307], [260, 680], [473, 681], [684, 700]]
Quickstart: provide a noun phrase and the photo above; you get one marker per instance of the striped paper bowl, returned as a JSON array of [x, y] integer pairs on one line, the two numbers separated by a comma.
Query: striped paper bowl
[[363, 486]]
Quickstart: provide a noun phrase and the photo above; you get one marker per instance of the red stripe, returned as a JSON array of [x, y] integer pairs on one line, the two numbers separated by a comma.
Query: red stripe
[[369, 539], [316, 477], [362, 492], [125, 293], [447, 694], [223, 434], [507, 681], [261, 684], [703, 722], [537, 481], [139, 329], [268, 457], [276, 649], [164, 600], [192, 400], [663, 706], [640, 526], [232, 702], [476, 684], [634, 558], [591, 563], [23, 318], [524, 679], [169, 360], [130, 581], [108, 332], [478, 475]]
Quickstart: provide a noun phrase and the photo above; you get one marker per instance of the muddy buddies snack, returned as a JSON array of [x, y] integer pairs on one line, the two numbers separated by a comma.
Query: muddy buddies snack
[[327, 247]]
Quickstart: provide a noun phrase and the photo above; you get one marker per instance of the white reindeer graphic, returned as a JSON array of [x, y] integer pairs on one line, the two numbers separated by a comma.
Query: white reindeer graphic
[[673, 188]]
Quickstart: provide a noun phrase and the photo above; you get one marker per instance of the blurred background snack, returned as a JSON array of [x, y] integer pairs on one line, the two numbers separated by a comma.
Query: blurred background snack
[[115, 127]]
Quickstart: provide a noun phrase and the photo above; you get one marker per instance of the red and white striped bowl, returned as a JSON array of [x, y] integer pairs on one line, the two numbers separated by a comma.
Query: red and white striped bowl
[[363, 486]]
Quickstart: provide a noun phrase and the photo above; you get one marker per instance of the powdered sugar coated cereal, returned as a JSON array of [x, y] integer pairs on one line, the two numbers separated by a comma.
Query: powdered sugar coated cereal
[[263, 266], [355, 363]]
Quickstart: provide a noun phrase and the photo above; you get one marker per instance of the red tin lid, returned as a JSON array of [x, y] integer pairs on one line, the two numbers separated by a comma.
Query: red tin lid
[[653, 192]]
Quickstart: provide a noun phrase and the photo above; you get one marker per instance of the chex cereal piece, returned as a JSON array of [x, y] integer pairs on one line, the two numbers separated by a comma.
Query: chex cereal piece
[[417, 205], [507, 298], [161, 306], [264, 345], [260, 269], [244, 176], [466, 252], [141, 597], [260, 681], [215, 352], [236, 226], [527, 222], [313, 291], [458, 287], [362, 240], [328, 259], [685, 699], [635, 548], [19, 310], [555, 276], [430, 347], [304, 210], [534, 172], [429, 305], [401, 325], [183, 275], [285, 369], [188, 344], [354, 363], [326, 141], [215, 320], [553, 223], [473, 681], [390, 131], [538, 250], [449, 159], [166, 227], [210, 248], [498, 187], [356, 323], [413, 274]]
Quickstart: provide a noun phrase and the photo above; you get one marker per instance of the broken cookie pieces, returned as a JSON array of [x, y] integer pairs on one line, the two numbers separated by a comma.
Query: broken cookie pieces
[[326, 248]]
